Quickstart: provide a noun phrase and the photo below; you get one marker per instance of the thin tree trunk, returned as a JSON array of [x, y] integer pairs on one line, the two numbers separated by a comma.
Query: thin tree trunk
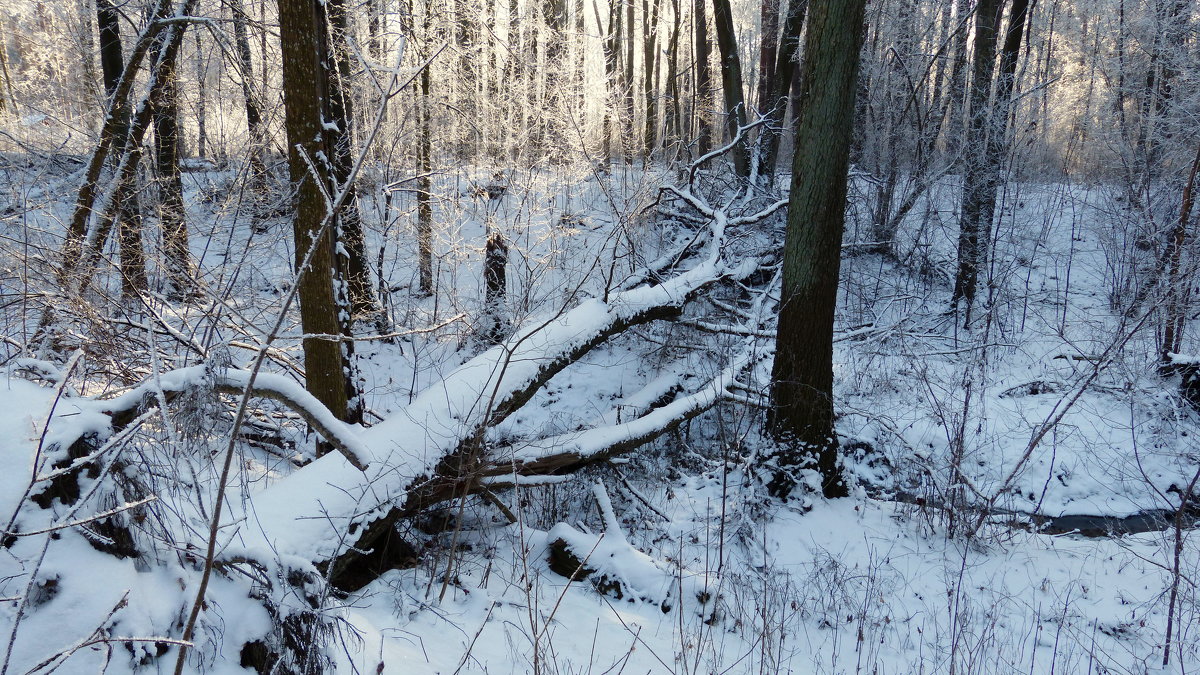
[[767, 52], [673, 129], [956, 93], [1177, 286], [703, 91], [776, 109], [7, 103], [650, 11], [424, 188], [171, 213], [609, 46], [972, 236], [129, 217], [629, 98], [341, 114], [201, 99], [731, 84], [495, 265], [257, 170]]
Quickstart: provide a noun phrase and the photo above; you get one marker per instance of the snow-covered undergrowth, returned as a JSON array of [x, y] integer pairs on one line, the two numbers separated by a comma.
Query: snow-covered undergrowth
[[961, 444]]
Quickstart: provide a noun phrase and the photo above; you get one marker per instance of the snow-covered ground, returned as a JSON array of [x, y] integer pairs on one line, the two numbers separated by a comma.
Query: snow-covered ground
[[1051, 407]]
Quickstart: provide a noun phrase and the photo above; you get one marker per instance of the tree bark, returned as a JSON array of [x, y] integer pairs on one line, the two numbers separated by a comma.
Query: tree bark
[[801, 417], [609, 45], [731, 84], [1178, 288], [650, 12], [989, 126], [776, 108], [363, 302], [424, 188], [112, 142], [304, 50], [971, 237], [129, 216], [257, 177], [703, 92], [171, 213], [767, 52]]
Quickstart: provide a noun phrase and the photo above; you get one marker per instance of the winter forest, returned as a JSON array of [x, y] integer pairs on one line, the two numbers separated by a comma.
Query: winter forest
[[599, 336]]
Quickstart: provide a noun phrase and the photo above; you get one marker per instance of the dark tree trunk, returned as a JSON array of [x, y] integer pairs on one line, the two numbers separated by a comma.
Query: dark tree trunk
[[424, 187], [629, 98], [801, 416], [1178, 288], [776, 108], [7, 103], [363, 302], [304, 48], [129, 218], [202, 145], [650, 10], [171, 215], [731, 84], [767, 52], [989, 127], [971, 237], [672, 128], [132, 264], [554, 80], [956, 93], [257, 171], [703, 92], [108, 22], [609, 47], [495, 264]]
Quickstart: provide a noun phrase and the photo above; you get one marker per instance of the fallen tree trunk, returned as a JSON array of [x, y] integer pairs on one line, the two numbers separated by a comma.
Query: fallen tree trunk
[[334, 520]]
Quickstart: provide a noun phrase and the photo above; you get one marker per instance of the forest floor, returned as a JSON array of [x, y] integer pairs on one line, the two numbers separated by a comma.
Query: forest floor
[[1050, 407]]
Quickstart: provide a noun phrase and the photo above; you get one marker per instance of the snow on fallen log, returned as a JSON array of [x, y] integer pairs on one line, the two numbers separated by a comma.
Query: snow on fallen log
[[232, 381], [337, 511], [574, 449], [328, 508]]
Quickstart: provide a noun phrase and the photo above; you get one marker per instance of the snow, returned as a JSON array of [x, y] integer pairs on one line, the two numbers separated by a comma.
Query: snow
[[715, 576]]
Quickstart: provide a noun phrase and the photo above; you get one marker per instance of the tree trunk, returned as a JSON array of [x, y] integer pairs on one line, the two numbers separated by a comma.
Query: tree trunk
[[1178, 285], [304, 50], [78, 264], [673, 127], [971, 237], [171, 213], [629, 99], [609, 47], [801, 416], [201, 99], [956, 93], [776, 109], [703, 92], [990, 134], [424, 187], [129, 216], [111, 56], [354, 262], [731, 84], [767, 51], [8, 103], [256, 182], [650, 11]]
